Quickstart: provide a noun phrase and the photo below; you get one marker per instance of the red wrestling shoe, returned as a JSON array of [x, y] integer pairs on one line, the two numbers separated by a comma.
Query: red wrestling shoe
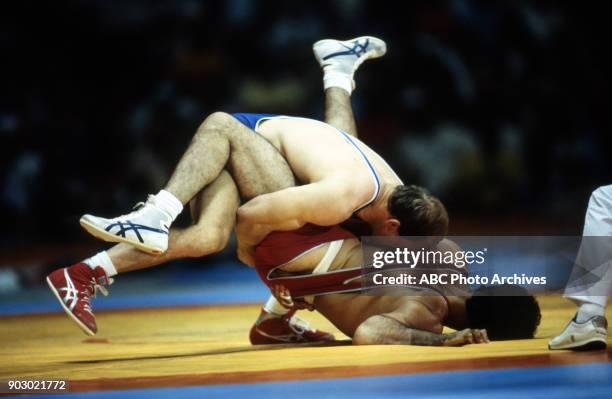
[[74, 287], [269, 329]]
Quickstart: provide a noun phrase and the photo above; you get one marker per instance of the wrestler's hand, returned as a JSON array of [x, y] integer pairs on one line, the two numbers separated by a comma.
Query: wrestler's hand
[[283, 296], [467, 336]]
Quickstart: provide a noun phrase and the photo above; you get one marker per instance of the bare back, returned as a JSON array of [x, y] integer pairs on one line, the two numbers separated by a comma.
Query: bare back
[[315, 150]]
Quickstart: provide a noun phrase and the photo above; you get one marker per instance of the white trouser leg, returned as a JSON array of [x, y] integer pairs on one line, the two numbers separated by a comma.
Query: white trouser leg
[[595, 254]]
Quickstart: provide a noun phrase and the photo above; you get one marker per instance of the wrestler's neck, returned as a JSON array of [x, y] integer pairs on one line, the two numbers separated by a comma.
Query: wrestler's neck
[[378, 210], [456, 317]]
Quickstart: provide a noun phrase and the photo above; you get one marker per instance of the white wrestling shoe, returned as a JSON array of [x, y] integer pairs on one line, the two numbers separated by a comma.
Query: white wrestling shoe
[[590, 335], [146, 228], [344, 57]]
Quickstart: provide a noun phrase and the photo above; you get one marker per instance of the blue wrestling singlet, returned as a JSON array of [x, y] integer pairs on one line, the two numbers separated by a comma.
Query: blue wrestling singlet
[[252, 120]]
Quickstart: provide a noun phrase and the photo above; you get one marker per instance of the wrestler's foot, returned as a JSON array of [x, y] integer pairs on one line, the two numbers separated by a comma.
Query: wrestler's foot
[[74, 287], [146, 228], [271, 329], [342, 58], [592, 334]]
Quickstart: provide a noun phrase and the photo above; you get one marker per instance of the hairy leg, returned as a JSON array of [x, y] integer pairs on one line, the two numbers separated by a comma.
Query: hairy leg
[[214, 213], [339, 111], [257, 167]]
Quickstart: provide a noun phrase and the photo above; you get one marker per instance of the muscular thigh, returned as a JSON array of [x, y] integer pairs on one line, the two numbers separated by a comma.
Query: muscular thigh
[[255, 164]]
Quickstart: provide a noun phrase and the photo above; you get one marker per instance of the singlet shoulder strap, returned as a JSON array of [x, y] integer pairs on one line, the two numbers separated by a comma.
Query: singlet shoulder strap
[[328, 258]]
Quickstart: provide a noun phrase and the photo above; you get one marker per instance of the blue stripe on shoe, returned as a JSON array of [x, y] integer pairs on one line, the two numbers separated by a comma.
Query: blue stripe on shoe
[[357, 50], [132, 227]]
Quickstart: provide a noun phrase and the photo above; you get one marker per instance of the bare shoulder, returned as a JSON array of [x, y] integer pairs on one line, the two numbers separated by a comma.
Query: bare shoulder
[[352, 187]]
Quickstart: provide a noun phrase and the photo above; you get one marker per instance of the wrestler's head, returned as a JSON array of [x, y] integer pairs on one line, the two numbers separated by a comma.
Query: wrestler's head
[[505, 311], [414, 212]]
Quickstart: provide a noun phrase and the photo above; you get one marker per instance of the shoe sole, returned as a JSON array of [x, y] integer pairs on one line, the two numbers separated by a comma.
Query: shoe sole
[[370, 38], [591, 344], [83, 327], [108, 237]]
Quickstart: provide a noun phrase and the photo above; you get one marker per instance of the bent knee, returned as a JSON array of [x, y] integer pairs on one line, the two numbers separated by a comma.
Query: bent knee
[[218, 238], [216, 120], [207, 241]]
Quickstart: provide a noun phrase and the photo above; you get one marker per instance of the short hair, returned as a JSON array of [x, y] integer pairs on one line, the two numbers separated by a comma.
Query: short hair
[[505, 311], [419, 212]]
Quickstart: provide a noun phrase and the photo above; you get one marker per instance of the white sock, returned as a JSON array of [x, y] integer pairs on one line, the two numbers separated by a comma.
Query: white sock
[[588, 310], [273, 306], [167, 202], [333, 78], [104, 261]]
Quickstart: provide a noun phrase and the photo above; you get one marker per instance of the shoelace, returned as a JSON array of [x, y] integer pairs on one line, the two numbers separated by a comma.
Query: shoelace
[[102, 289], [141, 204], [364, 53], [136, 209], [93, 288]]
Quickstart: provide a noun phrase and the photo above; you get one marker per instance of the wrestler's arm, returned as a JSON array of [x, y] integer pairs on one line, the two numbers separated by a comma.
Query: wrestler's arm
[[324, 203], [393, 329]]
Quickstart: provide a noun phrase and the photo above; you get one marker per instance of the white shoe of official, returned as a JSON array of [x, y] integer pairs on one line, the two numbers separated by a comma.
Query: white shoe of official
[[146, 228], [590, 335], [344, 57]]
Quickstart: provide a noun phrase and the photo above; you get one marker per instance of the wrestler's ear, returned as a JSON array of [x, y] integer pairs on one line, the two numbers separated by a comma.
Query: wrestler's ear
[[392, 227]]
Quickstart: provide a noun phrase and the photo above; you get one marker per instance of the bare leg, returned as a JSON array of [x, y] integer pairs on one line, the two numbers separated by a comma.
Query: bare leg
[[257, 167], [339, 67], [339, 111], [214, 215], [220, 142]]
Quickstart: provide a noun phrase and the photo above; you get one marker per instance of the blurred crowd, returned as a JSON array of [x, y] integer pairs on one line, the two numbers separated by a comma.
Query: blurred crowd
[[500, 108]]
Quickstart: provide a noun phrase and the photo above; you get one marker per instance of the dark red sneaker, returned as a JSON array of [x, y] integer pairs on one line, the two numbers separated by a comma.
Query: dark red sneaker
[[269, 329], [74, 287]]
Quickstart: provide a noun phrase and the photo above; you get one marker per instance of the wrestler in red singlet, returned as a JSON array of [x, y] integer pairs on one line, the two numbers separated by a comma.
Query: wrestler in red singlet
[[281, 247]]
